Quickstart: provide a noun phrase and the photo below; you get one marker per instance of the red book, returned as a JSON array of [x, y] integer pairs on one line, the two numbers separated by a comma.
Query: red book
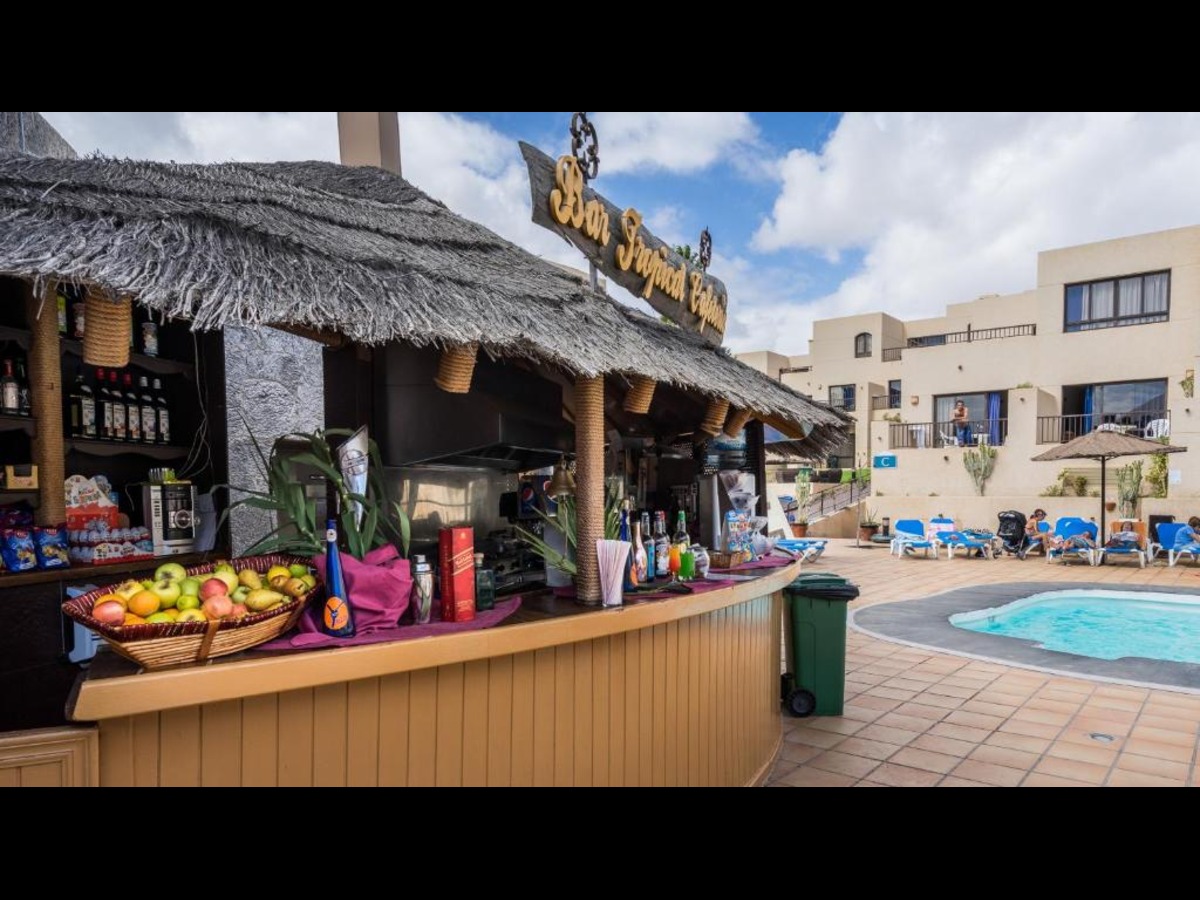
[[456, 573]]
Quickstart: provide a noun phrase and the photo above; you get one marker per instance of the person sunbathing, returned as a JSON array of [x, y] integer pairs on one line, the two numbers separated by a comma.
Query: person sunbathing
[[1126, 537], [1188, 537]]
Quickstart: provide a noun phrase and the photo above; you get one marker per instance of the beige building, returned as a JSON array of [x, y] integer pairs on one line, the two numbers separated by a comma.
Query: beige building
[[1109, 338]]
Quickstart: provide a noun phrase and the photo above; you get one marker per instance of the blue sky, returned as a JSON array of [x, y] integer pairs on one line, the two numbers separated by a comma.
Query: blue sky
[[813, 215]]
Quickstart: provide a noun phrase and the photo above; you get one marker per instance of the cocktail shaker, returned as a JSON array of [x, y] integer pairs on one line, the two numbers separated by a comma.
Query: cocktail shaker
[[423, 596]]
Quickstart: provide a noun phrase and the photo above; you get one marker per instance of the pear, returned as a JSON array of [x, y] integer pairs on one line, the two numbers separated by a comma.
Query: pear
[[295, 587], [250, 579], [262, 599]]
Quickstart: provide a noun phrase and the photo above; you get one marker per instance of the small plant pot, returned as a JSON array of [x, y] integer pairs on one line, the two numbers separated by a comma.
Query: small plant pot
[[866, 532], [799, 530], [1110, 505]]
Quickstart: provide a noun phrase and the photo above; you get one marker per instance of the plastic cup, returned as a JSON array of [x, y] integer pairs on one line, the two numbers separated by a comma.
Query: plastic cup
[[687, 565]]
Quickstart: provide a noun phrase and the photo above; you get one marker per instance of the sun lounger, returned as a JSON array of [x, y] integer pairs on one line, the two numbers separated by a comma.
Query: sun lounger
[[953, 540], [1167, 533], [909, 536]]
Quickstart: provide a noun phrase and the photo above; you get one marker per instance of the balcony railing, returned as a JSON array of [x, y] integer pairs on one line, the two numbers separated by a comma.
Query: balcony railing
[[1060, 429], [936, 435], [969, 336], [885, 401], [892, 354]]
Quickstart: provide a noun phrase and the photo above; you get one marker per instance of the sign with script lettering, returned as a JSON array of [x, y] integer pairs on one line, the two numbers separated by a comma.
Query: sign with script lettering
[[618, 245]]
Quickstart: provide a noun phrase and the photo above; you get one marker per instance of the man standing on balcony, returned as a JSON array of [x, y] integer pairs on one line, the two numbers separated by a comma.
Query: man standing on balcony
[[962, 427]]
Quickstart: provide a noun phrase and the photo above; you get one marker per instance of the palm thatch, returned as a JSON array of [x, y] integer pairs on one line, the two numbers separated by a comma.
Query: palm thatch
[[356, 252]]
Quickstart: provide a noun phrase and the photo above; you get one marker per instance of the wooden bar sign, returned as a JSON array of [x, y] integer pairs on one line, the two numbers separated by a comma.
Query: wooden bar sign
[[621, 248]]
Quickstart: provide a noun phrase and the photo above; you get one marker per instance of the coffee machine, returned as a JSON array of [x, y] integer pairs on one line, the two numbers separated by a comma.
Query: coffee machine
[[170, 511]]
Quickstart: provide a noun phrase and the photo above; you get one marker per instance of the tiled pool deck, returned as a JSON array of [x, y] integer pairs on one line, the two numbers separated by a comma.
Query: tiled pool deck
[[916, 717]]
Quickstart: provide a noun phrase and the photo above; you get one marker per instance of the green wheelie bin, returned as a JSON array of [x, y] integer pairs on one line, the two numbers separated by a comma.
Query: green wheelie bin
[[815, 638]]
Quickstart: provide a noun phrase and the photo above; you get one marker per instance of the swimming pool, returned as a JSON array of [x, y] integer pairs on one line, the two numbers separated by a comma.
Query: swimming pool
[[1099, 624]]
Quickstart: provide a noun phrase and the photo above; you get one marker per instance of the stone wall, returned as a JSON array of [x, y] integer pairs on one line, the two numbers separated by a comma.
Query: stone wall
[[275, 381], [28, 132]]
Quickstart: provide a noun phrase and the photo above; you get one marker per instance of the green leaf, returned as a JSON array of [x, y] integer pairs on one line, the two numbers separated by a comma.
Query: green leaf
[[325, 468], [405, 528]]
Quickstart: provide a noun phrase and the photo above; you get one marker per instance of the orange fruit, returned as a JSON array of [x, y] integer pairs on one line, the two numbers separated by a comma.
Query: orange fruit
[[144, 603], [117, 598], [131, 619]]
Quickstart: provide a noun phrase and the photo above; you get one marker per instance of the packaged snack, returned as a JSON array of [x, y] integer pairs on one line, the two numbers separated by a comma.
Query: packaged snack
[[51, 545], [16, 547]]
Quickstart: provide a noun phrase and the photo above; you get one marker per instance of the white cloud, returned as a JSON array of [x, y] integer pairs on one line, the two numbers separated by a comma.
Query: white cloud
[[949, 206], [680, 142]]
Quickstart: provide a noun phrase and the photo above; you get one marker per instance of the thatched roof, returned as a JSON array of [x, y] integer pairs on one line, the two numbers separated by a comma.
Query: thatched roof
[[352, 251]]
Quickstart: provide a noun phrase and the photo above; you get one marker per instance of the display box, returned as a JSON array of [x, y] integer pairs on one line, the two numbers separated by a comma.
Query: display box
[[21, 477], [456, 573]]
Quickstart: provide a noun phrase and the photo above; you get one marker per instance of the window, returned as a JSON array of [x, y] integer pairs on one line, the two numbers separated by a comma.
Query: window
[[841, 396], [987, 414], [1125, 405], [1133, 300], [893, 395], [862, 344]]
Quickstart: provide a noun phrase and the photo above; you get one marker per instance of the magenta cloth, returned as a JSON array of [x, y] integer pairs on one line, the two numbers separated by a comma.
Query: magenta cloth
[[767, 562], [698, 587], [319, 640], [379, 587]]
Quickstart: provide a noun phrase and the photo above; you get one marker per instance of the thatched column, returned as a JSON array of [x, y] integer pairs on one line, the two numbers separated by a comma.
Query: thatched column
[[45, 395], [714, 418], [589, 485], [737, 420]]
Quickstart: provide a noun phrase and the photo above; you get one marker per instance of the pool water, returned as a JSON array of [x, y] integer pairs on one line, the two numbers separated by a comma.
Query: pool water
[[1099, 624]]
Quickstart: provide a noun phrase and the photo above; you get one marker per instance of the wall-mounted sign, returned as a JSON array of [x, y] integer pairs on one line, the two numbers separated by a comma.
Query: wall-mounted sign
[[885, 461], [620, 247]]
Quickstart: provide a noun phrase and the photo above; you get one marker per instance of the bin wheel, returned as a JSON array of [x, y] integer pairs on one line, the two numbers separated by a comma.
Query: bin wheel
[[801, 703]]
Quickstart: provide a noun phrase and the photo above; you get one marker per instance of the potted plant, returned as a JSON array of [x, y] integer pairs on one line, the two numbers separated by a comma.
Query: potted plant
[[868, 525]]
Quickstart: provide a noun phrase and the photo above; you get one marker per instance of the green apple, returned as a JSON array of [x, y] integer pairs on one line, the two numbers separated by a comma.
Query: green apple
[[158, 618], [298, 570], [225, 567], [239, 596], [190, 587], [148, 584], [168, 592], [187, 601], [192, 614], [171, 571], [228, 576]]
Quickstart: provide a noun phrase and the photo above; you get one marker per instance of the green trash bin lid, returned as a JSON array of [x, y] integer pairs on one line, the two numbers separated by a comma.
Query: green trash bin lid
[[823, 586]]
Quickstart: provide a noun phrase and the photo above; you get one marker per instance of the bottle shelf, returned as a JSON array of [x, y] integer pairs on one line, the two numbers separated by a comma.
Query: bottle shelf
[[156, 364], [18, 336], [120, 448], [26, 424]]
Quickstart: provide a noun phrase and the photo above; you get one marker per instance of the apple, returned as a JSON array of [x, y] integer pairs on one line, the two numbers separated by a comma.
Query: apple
[[214, 587], [298, 570], [128, 588], [224, 567], [187, 601], [168, 592], [239, 610], [158, 618], [218, 606], [239, 596], [190, 587], [110, 612], [309, 580], [230, 579], [146, 585], [192, 615], [170, 572]]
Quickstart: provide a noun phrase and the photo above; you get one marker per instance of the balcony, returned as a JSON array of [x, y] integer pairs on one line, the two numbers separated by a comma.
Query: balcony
[[1060, 429], [938, 435], [970, 336], [885, 401]]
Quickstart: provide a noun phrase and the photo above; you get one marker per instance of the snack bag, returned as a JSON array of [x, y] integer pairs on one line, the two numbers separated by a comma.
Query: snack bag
[[16, 547], [51, 546]]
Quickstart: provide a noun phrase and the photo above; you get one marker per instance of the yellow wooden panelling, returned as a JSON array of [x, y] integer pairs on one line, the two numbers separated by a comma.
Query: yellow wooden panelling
[[51, 757]]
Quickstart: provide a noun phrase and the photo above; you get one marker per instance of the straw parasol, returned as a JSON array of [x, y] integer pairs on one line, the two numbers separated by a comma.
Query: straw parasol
[[1105, 445]]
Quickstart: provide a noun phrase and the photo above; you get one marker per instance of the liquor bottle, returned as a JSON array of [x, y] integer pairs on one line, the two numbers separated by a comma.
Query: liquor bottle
[[648, 538], [624, 535], [10, 395], [336, 619], [164, 414], [120, 432], [75, 402], [104, 407], [662, 545], [680, 536], [485, 585], [640, 558], [133, 410], [87, 407], [60, 299], [24, 400], [149, 414]]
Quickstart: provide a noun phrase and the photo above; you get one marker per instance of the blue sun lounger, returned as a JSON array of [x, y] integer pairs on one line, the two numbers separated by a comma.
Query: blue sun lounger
[[953, 540], [909, 536]]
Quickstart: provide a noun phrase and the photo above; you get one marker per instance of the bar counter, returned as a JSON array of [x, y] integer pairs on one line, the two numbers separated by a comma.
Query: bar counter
[[683, 691]]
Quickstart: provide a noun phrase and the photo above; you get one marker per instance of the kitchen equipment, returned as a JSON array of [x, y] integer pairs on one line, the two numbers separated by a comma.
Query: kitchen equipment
[[170, 511], [423, 578]]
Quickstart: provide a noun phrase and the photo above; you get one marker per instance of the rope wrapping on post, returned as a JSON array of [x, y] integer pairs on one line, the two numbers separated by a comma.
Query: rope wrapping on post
[[641, 393], [108, 330], [589, 486], [737, 421], [456, 368], [714, 419], [45, 385]]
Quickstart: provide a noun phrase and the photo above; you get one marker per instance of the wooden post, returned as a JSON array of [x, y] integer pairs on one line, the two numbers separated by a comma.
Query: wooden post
[[589, 485], [46, 393]]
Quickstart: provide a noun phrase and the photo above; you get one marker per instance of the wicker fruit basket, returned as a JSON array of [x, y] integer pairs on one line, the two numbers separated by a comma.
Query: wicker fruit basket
[[188, 643]]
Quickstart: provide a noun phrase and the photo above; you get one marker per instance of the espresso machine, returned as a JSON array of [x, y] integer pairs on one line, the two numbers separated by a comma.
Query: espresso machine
[[170, 511]]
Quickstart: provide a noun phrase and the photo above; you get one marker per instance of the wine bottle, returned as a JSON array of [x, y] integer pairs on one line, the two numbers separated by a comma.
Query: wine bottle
[[623, 534], [87, 407], [104, 410], [662, 545], [149, 414], [164, 414], [133, 410], [23, 390], [640, 558], [10, 395], [117, 400], [336, 620]]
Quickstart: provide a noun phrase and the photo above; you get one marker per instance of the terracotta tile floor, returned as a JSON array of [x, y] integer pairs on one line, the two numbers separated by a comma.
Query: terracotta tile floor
[[919, 718]]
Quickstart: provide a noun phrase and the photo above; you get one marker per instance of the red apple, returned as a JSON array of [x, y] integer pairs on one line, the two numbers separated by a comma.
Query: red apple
[[110, 612], [213, 587], [217, 606]]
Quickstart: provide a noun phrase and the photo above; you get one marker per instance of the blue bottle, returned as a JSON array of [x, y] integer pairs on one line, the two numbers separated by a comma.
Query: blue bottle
[[648, 540], [630, 581], [336, 620]]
